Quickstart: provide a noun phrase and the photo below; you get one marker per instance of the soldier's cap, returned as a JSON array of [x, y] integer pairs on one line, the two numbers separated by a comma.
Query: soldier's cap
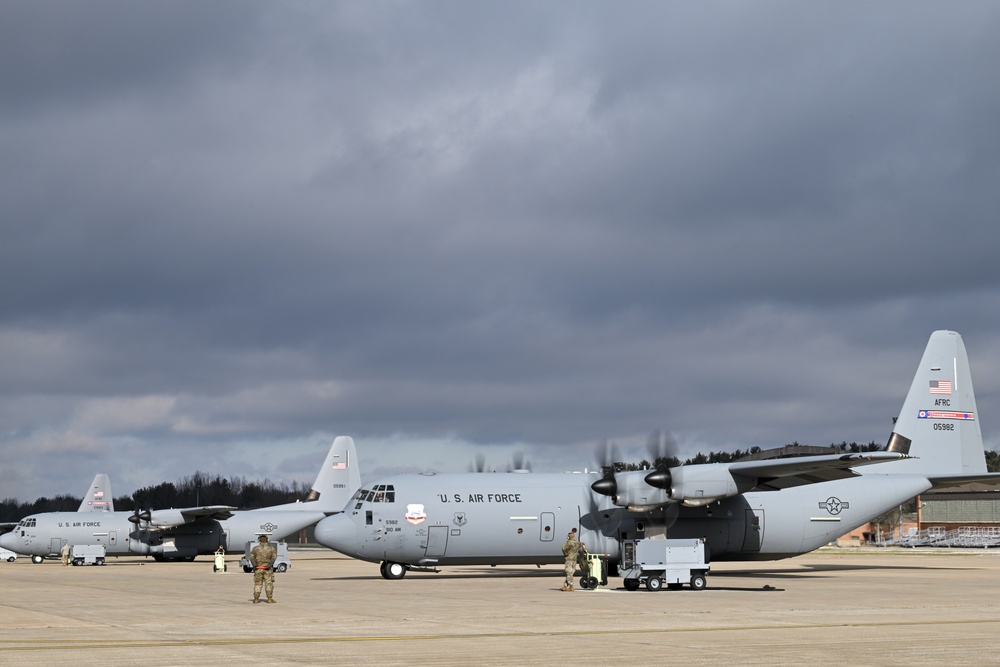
[[262, 538]]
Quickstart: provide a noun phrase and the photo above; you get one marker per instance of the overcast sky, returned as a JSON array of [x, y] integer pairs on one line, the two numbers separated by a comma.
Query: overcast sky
[[234, 230]]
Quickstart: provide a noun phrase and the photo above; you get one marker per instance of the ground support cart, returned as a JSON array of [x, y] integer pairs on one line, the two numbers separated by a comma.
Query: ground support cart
[[88, 553], [656, 563], [595, 570]]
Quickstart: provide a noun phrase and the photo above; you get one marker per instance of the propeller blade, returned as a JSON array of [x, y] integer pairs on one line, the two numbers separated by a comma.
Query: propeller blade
[[663, 449], [479, 464]]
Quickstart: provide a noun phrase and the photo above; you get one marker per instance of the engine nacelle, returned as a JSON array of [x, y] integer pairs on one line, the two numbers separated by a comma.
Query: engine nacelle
[[153, 519], [700, 485], [692, 486], [165, 518]]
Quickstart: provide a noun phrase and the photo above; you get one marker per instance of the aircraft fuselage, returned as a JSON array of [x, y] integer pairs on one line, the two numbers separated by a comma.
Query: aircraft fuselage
[[469, 519]]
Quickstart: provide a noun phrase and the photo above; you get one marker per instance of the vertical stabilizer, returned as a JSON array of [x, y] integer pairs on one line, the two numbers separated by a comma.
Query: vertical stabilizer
[[939, 423], [98, 497], [339, 478]]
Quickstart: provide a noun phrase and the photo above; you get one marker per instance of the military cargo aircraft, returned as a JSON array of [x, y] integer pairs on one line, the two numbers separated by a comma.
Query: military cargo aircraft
[[97, 499], [182, 534], [746, 510]]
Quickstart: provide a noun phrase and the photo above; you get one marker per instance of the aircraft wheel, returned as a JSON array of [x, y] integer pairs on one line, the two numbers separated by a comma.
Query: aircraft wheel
[[631, 584], [247, 569], [394, 571], [37, 560], [698, 582], [654, 584], [281, 567], [381, 569]]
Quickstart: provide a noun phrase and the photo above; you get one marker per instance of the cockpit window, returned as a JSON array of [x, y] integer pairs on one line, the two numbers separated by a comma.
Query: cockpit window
[[380, 493]]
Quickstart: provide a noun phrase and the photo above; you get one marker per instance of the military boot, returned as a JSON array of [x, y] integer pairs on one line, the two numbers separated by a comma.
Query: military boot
[[272, 601], [563, 587], [256, 599]]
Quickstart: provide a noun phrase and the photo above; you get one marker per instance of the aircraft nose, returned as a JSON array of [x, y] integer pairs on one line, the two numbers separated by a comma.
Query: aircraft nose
[[8, 541], [337, 532]]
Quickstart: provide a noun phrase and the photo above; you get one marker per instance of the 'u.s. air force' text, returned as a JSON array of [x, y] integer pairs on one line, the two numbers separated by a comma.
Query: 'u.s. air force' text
[[78, 524], [481, 498]]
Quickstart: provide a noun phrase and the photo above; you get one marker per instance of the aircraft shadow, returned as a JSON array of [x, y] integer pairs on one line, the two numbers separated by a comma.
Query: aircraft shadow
[[814, 571]]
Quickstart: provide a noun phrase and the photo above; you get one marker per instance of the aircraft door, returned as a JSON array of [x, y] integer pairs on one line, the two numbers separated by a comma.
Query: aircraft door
[[437, 540], [548, 527], [754, 535], [55, 545]]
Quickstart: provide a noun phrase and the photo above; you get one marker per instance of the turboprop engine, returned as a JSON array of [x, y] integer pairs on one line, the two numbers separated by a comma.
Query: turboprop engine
[[691, 486]]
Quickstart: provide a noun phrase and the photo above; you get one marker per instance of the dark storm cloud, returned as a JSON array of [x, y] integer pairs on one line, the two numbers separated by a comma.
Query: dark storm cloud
[[234, 228]]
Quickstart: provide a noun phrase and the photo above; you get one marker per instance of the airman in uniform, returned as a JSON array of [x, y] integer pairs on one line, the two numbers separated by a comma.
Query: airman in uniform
[[65, 553], [262, 558], [570, 548]]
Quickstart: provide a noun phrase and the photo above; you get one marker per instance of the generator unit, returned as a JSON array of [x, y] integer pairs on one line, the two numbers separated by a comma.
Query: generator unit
[[656, 563]]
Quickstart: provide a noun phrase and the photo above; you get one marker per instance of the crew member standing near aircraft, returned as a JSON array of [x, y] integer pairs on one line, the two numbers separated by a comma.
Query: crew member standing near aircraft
[[570, 548], [262, 558], [65, 553]]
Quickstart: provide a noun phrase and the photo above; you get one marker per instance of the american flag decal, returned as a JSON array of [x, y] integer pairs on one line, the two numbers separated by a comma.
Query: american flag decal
[[941, 386], [342, 465]]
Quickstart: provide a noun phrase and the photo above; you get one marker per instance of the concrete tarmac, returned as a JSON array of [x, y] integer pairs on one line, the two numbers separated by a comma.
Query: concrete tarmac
[[913, 607]]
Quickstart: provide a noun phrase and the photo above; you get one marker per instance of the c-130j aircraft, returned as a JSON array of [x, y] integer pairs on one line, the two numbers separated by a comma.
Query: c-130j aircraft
[[747, 510], [182, 534]]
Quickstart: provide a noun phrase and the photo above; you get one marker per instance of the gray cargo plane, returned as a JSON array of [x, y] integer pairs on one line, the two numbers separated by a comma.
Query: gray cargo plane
[[182, 534], [747, 510]]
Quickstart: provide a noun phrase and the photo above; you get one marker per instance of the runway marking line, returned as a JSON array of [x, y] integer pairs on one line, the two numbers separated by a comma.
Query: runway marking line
[[76, 644]]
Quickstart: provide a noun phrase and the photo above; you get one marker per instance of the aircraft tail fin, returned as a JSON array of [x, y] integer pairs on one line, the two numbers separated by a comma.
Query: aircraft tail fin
[[339, 478], [98, 497], [939, 422]]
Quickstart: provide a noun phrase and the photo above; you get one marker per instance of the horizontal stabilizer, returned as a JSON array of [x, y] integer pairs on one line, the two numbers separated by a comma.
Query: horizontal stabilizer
[[983, 482]]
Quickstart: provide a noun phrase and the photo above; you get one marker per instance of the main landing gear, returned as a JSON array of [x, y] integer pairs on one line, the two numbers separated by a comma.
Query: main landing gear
[[392, 570]]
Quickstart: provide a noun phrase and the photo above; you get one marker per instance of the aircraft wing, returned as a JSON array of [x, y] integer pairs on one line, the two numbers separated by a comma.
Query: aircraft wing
[[774, 474], [216, 512], [163, 519]]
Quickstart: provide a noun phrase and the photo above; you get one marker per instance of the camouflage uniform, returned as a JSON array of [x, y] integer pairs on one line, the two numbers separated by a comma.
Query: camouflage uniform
[[570, 548], [65, 553], [262, 558]]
